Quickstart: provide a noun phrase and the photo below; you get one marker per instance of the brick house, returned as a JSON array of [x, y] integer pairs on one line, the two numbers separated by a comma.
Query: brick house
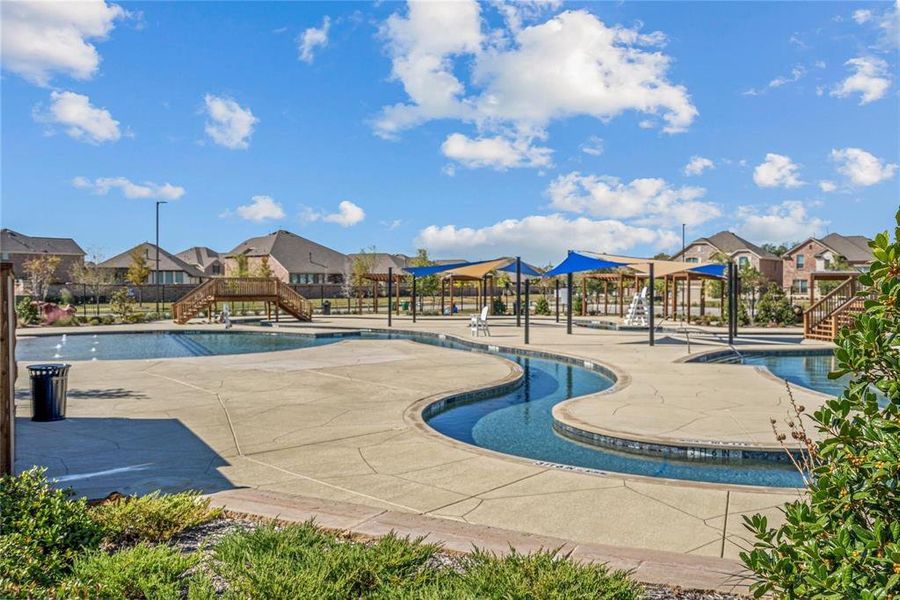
[[818, 256], [172, 270], [742, 252], [207, 261], [292, 259], [18, 248]]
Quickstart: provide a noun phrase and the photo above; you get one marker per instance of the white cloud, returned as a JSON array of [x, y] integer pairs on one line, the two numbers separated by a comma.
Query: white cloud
[[541, 238], [146, 190], [260, 209], [862, 16], [784, 222], [347, 215], [517, 87], [646, 201], [228, 124], [40, 39], [697, 165], [516, 12], [593, 146], [777, 171], [797, 74], [81, 120], [497, 152], [861, 167], [871, 79], [311, 39], [827, 186]]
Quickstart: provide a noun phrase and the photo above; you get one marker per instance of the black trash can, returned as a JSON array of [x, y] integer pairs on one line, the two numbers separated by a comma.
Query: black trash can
[[48, 391], [326, 307]]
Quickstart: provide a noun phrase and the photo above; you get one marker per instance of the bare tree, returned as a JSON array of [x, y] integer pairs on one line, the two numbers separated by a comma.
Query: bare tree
[[41, 270], [92, 276]]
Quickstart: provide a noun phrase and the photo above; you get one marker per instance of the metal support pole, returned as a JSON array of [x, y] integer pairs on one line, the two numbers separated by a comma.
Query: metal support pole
[[518, 292], [730, 303], [414, 298], [569, 283], [737, 298], [390, 293], [557, 299], [527, 302], [652, 317]]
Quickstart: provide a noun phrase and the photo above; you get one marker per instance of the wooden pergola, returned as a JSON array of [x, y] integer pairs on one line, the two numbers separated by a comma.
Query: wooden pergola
[[380, 278], [486, 291]]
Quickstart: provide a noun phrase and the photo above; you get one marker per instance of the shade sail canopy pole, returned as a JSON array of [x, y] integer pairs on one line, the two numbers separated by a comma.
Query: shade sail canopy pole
[[527, 301], [414, 298], [569, 282], [652, 318], [518, 292], [390, 293]]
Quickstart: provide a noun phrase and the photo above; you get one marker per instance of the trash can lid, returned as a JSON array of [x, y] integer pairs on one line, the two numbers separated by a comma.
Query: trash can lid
[[48, 366]]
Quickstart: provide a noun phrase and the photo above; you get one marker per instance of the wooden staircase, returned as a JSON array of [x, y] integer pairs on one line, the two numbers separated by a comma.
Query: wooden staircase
[[824, 319], [243, 289]]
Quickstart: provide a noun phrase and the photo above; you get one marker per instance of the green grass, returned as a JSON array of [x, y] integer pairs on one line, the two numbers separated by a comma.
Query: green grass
[[152, 518]]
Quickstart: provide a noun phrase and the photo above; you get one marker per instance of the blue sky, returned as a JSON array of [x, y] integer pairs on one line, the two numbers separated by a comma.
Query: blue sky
[[474, 130]]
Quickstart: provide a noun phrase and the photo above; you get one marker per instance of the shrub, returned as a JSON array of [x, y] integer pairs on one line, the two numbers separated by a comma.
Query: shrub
[[775, 307], [41, 532], [152, 518], [121, 303], [542, 307], [540, 575], [66, 296], [142, 571], [499, 307], [842, 539], [302, 561], [107, 320], [26, 311]]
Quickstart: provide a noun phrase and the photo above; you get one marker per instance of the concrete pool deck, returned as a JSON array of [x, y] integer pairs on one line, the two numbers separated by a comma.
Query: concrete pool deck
[[330, 424]]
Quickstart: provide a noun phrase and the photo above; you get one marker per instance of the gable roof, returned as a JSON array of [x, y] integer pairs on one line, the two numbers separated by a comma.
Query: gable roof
[[728, 242], [200, 256], [855, 248], [13, 242], [296, 254], [383, 260], [167, 261]]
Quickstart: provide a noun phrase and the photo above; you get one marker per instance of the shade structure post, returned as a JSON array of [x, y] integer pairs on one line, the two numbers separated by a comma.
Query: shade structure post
[[518, 291], [397, 308], [414, 298], [569, 283], [527, 303], [737, 296], [652, 317], [730, 303], [450, 285], [390, 293], [687, 308], [621, 298], [557, 299]]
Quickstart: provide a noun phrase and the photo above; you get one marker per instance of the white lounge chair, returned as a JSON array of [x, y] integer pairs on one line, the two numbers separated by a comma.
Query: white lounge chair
[[479, 323]]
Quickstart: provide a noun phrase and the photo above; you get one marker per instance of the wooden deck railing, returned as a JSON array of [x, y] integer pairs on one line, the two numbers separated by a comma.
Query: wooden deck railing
[[251, 289]]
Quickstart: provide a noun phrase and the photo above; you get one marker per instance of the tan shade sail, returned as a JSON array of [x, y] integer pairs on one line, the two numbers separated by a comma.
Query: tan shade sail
[[479, 270], [661, 268]]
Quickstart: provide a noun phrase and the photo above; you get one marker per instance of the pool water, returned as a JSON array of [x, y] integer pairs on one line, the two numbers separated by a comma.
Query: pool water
[[131, 346], [517, 422], [810, 370]]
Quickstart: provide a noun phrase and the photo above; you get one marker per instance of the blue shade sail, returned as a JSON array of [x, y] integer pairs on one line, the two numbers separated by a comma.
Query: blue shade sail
[[576, 263]]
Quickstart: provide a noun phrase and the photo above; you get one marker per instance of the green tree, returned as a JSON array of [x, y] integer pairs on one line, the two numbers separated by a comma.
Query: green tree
[[778, 249], [842, 538], [121, 303], [542, 306], [241, 266], [752, 283], [775, 307], [263, 269], [839, 263], [41, 270], [139, 271], [428, 285], [92, 276]]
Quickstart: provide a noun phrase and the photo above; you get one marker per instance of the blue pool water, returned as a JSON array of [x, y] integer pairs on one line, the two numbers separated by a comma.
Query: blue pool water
[[517, 422], [810, 370]]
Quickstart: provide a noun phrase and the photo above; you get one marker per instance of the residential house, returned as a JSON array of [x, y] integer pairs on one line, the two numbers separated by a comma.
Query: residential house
[[824, 257], [207, 261], [18, 248], [172, 270], [736, 248], [381, 261], [291, 258]]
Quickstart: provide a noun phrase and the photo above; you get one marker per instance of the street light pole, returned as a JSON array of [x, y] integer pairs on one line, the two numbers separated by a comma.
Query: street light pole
[[158, 202]]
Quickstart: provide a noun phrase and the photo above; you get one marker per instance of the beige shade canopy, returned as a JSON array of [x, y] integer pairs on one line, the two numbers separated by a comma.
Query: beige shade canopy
[[661, 268]]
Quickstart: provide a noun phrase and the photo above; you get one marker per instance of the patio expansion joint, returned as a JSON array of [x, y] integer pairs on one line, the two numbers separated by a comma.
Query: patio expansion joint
[[493, 489]]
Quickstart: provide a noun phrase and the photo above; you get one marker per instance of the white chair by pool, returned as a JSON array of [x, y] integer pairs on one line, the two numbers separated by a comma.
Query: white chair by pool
[[479, 323]]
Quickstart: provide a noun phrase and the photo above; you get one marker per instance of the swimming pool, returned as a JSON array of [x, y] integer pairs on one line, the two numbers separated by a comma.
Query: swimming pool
[[515, 421]]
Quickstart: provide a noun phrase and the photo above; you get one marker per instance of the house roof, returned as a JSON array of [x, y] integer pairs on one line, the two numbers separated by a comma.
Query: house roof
[[199, 256], [382, 261], [13, 242], [296, 254], [729, 243], [855, 248], [167, 261]]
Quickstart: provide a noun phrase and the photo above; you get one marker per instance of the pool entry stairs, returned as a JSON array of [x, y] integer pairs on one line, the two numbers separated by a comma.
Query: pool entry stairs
[[825, 318], [270, 290]]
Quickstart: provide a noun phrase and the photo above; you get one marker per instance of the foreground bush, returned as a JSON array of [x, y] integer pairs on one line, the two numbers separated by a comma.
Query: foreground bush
[[42, 531], [141, 571], [842, 540], [152, 518]]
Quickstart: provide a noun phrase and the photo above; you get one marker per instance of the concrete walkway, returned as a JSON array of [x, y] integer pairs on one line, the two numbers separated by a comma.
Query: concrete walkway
[[330, 423]]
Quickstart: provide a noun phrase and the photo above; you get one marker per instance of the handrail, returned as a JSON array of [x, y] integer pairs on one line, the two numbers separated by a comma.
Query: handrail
[[829, 304], [224, 288]]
